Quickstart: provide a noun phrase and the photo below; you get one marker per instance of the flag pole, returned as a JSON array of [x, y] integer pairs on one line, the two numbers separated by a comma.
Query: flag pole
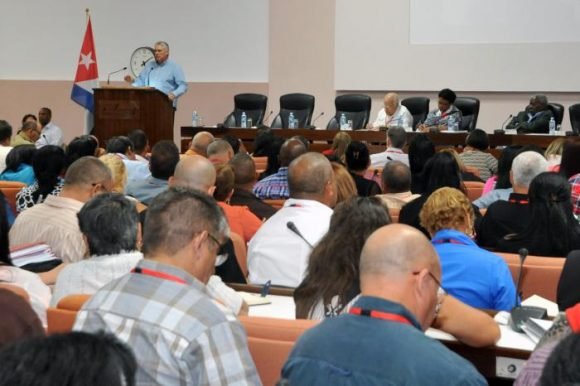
[[89, 117]]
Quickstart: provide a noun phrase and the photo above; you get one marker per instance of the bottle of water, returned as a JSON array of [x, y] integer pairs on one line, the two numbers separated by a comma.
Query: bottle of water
[[194, 119], [291, 121], [244, 122], [451, 123], [342, 122], [552, 126]]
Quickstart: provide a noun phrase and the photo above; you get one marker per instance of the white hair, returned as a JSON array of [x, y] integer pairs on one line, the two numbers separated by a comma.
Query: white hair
[[527, 166]]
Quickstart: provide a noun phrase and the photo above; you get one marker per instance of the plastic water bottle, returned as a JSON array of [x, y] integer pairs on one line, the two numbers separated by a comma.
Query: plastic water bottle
[[552, 126], [194, 119], [244, 123], [342, 122], [291, 121], [451, 123]]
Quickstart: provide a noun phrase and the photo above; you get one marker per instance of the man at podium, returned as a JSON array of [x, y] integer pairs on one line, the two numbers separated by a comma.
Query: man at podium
[[163, 74]]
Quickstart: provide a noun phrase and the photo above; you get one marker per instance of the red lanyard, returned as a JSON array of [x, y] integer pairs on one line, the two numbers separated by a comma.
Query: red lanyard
[[516, 201], [379, 315], [160, 275]]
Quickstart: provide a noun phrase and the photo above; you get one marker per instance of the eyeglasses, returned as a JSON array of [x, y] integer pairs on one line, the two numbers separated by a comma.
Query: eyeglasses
[[441, 293], [222, 255]]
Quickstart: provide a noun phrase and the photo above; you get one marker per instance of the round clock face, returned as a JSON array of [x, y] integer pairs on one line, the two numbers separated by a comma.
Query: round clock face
[[139, 58]]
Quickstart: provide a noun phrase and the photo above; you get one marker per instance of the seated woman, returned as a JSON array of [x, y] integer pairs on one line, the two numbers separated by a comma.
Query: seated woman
[[552, 230], [19, 165], [49, 167], [345, 186], [332, 278], [471, 274], [439, 119], [421, 150], [339, 144], [358, 161], [475, 154]]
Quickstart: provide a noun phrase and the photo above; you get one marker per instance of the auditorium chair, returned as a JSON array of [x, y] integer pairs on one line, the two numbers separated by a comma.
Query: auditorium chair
[[474, 189], [558, 111], [574, 112], [301, 105], [10, 189], [16, 289], [254, 105], [277, 204], [469, 108], [61, 318], [418, 107], [356, 108], [261, 164]]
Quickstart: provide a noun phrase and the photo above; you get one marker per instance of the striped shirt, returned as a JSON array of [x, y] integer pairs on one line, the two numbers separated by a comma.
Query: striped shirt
[[179, 336], [274, 187], [484, 162]]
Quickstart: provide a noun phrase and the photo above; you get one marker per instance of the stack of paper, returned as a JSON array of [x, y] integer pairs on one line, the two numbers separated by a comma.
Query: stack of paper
[[536, 328], [24, 254], [255, 299]]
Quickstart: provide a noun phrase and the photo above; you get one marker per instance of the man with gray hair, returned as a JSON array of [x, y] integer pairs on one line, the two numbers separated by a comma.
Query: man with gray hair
[[161, 308], [220, 152], [534, 119], [393, 114], [163, 74], [396, 140], [280, 249], [511, 216], [397, 185]]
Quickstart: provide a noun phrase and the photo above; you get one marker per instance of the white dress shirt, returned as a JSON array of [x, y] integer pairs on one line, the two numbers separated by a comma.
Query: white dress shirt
[[401, 118], [276, 253], [4, 150], [51, 135], [391, 154]]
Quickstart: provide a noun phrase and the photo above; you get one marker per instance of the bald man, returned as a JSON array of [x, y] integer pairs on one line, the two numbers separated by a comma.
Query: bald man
[[381, 340], [276, 252], [199, 144], [275, 187], [393, 114]]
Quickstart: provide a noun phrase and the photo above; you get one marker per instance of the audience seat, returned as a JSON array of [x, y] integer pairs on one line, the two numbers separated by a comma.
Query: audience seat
[[394, 213], [574, 112], [540, 275], [474, 189], [10, 189], [473, 170], [277, 204], [16, 289], [62, 318], [261, 164], [469, 108], [241, 250]]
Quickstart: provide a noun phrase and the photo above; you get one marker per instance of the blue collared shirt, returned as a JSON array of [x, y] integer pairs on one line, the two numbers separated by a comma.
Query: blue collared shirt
[[166, 77], [146, 190], [473, 275], [274, 187]]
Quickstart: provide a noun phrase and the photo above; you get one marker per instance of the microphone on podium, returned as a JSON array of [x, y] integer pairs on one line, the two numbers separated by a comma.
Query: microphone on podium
[[312, 124], [114, 72]]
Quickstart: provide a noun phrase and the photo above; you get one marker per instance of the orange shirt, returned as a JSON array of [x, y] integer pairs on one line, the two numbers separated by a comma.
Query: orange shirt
[[241, 220]]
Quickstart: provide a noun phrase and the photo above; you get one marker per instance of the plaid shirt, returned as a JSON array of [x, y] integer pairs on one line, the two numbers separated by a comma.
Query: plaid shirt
[[274, 187], [575, 184], [179, 336]]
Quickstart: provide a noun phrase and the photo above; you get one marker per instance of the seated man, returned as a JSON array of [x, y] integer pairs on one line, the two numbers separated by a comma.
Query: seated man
[[439, 119], [278, 254], [512, 215], [396, 140], [397, 185], [220, 152], [55, 220], [393, 114], [140, 144], [123, 148], [162, 310], [27, 135], [400, 296], [534, 119], [275, 186], [199, 144]]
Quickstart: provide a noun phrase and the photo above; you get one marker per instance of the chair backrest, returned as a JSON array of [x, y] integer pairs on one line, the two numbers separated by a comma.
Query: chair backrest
[[418, 107], [302, 105], [254, 105], [375, 174], [10, 189], [540, 275], [574, 112], [474, 189], [61, 318], [356, 108], [469, 108], [277, 204], [17, 290], [558, 111], [241, 251], [261, 163]]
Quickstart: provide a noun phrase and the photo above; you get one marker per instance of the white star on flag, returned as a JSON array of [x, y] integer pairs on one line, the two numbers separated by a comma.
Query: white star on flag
[[86, 60]]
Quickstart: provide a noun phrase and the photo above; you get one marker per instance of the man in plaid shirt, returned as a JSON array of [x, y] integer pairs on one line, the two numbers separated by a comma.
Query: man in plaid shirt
[[161, 308]]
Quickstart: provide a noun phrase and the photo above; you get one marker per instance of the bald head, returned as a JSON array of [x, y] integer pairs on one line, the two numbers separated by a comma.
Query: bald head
[[310, 177], [391, 102], [290, 150], [194, 172], [244, 169], [200, 142]]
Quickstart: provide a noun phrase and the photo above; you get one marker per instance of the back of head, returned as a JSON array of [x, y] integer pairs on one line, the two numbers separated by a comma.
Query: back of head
[[194, 172], [421, 149], [447, 208], [19, 321], [176, 216], [201, 141], [562, 366], [302, 139], [396, 177], [570, 164], [118, 171], [448, 94], [478, 139], [4, 229], [120, 144], [220, 151], [5, 131], [86, 171], [49, 163], [308, 176], [76, 358], [504, 166], [244, 169], [555, 148], [110, 223], [345, 185], [224, 183], [357, 156], [568, 294], [272, 151], [139, 139], [233, 141], [290, 150], [80, 147], [526, 166], [262, 142], [397, 137], [541, 100], [19, 155], [339, 144], [442, 171], [164, 158]]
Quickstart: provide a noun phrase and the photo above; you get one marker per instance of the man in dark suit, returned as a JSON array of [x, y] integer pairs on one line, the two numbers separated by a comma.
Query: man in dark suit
[[534, 119]]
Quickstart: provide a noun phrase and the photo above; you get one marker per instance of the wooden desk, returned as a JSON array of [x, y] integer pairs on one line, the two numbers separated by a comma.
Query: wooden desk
[[376, 139]]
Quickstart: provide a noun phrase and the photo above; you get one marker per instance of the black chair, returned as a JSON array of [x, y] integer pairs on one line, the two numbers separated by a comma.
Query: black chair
[[301, 105], [469, 108], [254, 105], [418, 107], [574, 112], [356, 108], [557, 111]]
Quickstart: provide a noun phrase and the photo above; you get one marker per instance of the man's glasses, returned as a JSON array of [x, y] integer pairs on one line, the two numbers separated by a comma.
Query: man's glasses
[[441, 293], [222, 255]]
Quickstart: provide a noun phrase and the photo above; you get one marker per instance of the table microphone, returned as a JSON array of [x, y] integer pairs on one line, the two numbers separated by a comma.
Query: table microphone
[[114, 72], [295, 230], [267, 117], [312, 126], [520, 314]]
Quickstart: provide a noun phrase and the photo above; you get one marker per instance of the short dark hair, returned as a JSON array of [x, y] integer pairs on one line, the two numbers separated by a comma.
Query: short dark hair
[[397, 136], [139, 139], [119, 144], [26, 116], [478, 139], [396, 177], [79, 147], [76, 358], [308, 174], [244, 169], [22, 154], [164, 159], [224, 182], [357, 156], [233, 141], [87, 170], [448, 95], [5, 130], [110, 223], [49, 111], [48, 165], [562, 367]]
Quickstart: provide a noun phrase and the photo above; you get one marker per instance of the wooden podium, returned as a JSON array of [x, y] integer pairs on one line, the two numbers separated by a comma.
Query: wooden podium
[[120, 110]]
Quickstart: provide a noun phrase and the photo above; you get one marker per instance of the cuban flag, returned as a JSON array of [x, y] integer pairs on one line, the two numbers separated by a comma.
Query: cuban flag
[[87, 76]]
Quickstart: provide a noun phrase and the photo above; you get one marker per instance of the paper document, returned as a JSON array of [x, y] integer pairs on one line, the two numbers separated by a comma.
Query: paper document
[[255, 299], [539, 301]]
